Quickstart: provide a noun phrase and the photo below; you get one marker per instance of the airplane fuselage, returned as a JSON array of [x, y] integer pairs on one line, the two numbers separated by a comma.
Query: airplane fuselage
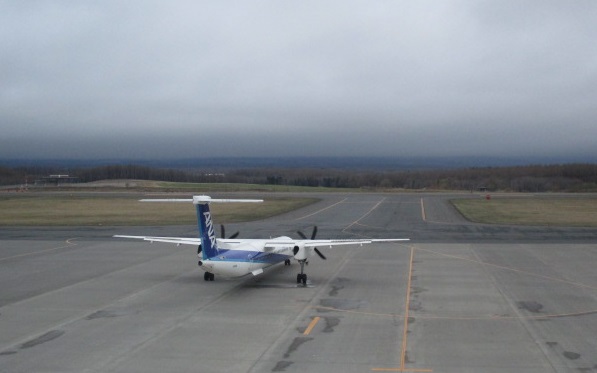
[[240, 259]]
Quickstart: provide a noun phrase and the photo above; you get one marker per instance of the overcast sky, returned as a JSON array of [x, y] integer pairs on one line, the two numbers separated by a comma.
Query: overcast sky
[[168, 79]]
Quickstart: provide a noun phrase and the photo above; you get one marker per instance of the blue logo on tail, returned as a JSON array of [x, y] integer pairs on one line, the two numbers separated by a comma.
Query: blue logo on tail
[[209, 244]]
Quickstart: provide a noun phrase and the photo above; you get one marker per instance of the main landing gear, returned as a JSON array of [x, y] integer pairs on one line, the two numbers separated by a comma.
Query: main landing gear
[[302, 277], [208, 276]]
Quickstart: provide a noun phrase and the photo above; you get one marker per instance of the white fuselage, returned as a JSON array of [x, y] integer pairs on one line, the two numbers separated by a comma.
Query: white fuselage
[[248, 256]]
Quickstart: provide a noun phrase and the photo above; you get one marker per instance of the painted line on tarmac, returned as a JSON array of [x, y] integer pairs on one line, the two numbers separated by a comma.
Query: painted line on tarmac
[[556, 279], [365, 215], [403, 349], [69, 244], [323, 209], [406, 309], [311, 325]]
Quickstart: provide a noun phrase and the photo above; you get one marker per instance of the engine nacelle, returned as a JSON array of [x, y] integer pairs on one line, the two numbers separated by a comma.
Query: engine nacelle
[[300, 253]]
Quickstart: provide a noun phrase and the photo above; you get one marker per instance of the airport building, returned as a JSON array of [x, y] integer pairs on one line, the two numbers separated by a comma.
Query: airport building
[[56, 180]]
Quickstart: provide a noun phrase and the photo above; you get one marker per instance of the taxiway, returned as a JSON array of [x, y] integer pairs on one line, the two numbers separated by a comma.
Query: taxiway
[[459, 297]]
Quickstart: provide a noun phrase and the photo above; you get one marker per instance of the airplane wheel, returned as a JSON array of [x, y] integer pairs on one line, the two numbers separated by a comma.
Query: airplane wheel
[[206, 276], [305, 279], [212, 277], [298, 278]]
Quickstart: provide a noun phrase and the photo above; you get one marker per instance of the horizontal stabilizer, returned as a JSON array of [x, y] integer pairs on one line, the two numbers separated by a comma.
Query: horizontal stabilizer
[[166, 200], [200, 200]]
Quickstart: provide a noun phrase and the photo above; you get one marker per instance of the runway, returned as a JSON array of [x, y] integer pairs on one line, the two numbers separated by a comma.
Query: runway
[[459, 297]]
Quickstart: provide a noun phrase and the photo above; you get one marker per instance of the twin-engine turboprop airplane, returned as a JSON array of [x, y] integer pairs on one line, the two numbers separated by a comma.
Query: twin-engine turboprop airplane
[[238, 257]]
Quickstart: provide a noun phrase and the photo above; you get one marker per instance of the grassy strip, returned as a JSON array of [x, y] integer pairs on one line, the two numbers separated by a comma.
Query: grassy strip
[[567, 212], [233, 187], [196, 188], [111, 211]]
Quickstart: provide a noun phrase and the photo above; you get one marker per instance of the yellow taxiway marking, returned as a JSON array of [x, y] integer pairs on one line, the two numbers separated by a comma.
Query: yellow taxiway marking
[[406, 307], [311, 325], [402, 368], [69, 244]]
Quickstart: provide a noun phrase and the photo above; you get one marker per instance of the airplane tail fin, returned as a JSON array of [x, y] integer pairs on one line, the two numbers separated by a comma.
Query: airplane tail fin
[[209, 243]]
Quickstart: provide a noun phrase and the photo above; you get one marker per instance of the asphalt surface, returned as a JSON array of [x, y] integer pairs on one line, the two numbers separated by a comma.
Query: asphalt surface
[[459, 297]]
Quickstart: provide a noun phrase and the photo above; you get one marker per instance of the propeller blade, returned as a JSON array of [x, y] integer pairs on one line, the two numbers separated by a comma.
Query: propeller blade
[[295, 250], [199, 249], [319, 253], [313, 234], [223, 232]]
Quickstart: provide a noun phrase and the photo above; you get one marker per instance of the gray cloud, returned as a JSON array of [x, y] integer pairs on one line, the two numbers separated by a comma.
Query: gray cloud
[[187, 78]]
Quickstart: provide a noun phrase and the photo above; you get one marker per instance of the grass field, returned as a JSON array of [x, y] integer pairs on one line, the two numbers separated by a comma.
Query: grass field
[[112, 209], [74, 210], [571, 212], [196, 188], [233, 187]]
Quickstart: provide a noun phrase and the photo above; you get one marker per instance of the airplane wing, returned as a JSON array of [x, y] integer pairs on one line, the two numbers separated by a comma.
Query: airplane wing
[[329, 243], [269, 245]]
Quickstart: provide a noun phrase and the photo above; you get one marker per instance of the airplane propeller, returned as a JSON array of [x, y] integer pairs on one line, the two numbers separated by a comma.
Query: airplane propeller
[[223, 232], [313, 234], [319, 253]]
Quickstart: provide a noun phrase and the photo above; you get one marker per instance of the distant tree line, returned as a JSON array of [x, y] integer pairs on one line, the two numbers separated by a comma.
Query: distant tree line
[[13, 176], [532, 178], [131, 172]]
